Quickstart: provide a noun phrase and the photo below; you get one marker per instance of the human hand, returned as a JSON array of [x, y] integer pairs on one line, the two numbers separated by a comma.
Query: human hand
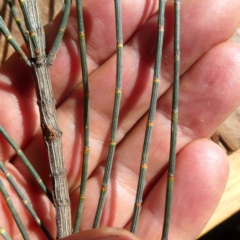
[[209, 92]]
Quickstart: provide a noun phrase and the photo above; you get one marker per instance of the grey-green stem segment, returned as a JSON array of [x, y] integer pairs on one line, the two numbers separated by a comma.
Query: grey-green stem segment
[[86, 148], [25, 201], [115, 116], [4, 234], [26, 162], [150, 121], [174, 122], [56, 45], [13, 211], [18, 20]]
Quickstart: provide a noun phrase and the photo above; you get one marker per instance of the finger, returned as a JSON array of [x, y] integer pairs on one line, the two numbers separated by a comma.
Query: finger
[[27, 115], [207, 99], [128, 154], [33, 196], [207, 90], [17, 93], [102, 105], [202, 27], [200, 179], [100, 34]]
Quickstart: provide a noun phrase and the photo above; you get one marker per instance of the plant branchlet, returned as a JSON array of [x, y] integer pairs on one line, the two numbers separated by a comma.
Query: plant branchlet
[[39, 63]]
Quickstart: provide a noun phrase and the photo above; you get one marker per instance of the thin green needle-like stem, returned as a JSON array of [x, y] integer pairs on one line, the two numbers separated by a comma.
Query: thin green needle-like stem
[[118, 93], [11, 40], [13, 211], [24, 200], [53, 52], [30, 27], [4, 234], [174, 119], [26, 162], [83, 55], [18, 20], [151, 115]]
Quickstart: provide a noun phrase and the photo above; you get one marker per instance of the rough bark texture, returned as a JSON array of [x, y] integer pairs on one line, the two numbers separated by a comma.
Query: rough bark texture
[[49, 124]]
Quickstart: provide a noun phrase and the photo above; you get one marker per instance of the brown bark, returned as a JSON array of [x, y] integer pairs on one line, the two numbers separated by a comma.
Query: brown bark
[[50, 128]]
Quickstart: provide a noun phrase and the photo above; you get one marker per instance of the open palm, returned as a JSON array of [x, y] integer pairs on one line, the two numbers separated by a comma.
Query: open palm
[[209, 92]]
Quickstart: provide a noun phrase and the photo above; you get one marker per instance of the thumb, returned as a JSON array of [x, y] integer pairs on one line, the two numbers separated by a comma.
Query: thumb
[[103, 234]]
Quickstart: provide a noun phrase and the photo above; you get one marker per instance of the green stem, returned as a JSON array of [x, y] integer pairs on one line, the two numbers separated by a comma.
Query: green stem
[[53, 52], [11, 40], [26, 162], [150, 121], [30, 27], [118, 93], [13, 211], [24, 200], [83, 56], [4, 234], [173, 143], [18, 20]]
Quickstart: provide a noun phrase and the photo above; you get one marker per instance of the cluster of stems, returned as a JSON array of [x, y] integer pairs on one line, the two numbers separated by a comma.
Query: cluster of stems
[[39, 62], [25, 201], [26, 162], [13, 211], [151, 115]]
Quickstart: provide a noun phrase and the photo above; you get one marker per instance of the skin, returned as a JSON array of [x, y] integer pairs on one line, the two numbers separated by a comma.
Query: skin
[[209, 92]]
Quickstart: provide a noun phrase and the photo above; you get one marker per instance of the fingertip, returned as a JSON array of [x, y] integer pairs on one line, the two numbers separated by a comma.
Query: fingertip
[[200, 179], [201, 176]]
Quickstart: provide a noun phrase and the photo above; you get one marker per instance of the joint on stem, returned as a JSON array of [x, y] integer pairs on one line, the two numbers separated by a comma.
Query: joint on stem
[[120, 45], [156, 80], [81, 34], [138, 204], [104, 188], [161, 28], [144, 166], [150, 123]]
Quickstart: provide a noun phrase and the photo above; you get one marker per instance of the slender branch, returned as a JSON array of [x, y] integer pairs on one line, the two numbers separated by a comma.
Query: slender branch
[[51, 132], [151, 115], [83, 55], [26, 162], [13, 211], [53, 52], [172, 157], [118, 93], [11, 40], [4, 234], [18, 20], [24, 4], [24, 200]]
